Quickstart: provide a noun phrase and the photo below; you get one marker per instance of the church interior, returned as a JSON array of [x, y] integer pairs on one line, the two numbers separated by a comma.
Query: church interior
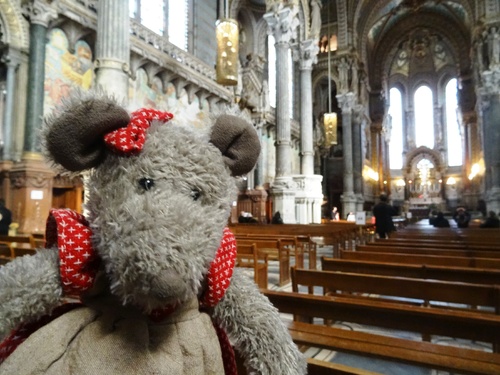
[[351, 99]]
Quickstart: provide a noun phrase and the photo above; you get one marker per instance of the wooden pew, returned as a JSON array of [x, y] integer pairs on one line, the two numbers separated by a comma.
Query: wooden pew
[[463, 274], [450, 323], [449, 251], [428, 242], [317, 367], [422, 259], [273, 249], [393, 289], [336, 234], [18, 239], [247, 257], [298, 245]]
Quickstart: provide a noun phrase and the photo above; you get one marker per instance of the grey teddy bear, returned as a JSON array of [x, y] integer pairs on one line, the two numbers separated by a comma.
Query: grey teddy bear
[[152, 266]]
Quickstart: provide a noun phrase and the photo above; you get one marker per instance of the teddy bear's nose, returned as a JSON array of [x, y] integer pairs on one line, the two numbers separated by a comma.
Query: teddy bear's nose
[[168, 285]]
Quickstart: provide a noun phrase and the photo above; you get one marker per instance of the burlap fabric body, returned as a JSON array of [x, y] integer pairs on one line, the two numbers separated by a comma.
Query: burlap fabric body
[[120, 341]]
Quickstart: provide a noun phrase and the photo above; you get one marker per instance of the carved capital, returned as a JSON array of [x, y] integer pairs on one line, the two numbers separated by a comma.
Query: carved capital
[[40, 12], [346, 102], [282, 23], [307, 54], [36, 180], [489, 88]]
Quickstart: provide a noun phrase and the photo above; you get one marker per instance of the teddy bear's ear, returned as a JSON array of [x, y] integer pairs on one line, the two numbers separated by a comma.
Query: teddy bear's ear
[[74, 138], [238, 141]]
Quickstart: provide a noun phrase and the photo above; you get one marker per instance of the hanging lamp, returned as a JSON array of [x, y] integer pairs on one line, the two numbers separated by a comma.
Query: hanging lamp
[[330, 118], [226, 33]]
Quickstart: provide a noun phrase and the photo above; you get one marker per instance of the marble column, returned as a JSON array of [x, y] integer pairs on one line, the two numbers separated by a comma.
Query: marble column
[[113, 48], [346, 103], [308, 56], [309, 197], [282, 24], [31, 180], [40, 14], [357, 157], [410, 126], [12, 64], [489, 98]]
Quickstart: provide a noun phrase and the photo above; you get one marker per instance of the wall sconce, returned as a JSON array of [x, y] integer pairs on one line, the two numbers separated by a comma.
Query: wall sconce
[[474, 171], [226, 33], [369, 173], [330, 124]]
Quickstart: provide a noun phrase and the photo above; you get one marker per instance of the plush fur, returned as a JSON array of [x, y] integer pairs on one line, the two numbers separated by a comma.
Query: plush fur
[[156, 244]]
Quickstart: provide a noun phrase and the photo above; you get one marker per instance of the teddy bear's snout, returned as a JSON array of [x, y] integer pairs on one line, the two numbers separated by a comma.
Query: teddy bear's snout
[[168, 285]]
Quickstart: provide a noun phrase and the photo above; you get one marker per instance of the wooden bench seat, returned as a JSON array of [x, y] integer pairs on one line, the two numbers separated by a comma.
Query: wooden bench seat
[[27, 238], [397, 288], [463, 274], [449, 251], [317, 367], [422, 259], [422, 354], [247, 257], [450, 323], [445, 244], [299, 246], [272, 250]]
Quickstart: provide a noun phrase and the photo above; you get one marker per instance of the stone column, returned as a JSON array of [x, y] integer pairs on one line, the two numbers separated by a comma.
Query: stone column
[[308, 56], [346, 103], [282, 24], [489, 97], [357, 157], [12, 64], [113, 47], [376, 135], [31, 180], [40, 14], [410, 126], [309, 197]]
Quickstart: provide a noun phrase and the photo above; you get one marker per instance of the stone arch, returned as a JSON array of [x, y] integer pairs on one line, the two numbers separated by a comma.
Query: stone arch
[[248, 22], [261, 38], [16, 27], [323, 75], [420, 153]]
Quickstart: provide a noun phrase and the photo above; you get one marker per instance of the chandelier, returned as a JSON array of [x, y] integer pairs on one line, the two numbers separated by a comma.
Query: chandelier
[[226, 33], [330, 118]]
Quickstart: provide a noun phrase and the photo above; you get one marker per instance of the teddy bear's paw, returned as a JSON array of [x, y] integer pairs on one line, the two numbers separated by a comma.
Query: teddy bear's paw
[[30, 289]]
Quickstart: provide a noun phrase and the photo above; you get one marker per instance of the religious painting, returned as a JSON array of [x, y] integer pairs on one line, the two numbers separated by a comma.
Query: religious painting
[[64, 69]]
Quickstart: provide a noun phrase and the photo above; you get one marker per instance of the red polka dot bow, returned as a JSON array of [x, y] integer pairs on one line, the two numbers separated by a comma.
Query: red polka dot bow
[[130, 139]]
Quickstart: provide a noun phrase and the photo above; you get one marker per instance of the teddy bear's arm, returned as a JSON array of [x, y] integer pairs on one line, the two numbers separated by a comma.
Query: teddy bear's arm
[[30, 288], [257, 331]]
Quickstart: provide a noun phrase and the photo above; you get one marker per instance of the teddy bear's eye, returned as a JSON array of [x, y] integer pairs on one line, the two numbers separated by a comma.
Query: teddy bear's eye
[[195, 194], [146, 183]]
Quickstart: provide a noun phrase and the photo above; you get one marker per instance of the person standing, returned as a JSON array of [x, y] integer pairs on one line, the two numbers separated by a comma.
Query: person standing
[[383, 212], [5, 218]]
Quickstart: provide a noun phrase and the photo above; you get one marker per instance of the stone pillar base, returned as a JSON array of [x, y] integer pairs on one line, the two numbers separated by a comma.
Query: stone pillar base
[[308, 198], [31, 193], [283, 193], [360, 202], [348, 204]]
